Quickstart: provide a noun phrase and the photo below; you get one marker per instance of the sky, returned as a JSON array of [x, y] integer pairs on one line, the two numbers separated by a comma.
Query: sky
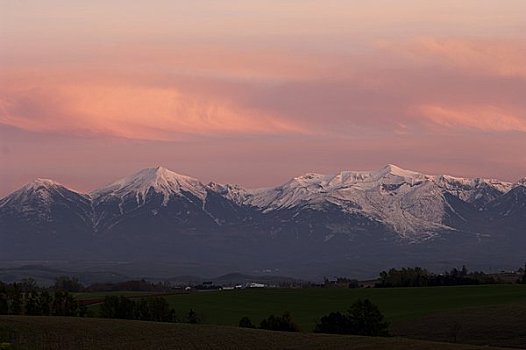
[[256, 92]]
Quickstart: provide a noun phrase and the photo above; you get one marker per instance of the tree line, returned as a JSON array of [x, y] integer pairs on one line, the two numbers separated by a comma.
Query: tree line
[[362, 318], [72, 284], [26, 298], [420, 277], [155, 309]]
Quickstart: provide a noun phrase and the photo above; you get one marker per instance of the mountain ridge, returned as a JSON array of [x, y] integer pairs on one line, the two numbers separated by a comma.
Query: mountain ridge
[[386, 169], [350, 216]]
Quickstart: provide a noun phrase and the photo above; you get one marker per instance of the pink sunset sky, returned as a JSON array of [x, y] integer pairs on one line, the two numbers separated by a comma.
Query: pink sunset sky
[[256, 92]]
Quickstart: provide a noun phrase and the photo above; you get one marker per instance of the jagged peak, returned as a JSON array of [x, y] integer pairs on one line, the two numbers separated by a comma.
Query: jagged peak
[[391, 169], [40, 182], [521, 182], [307, 179], [216, 186], [309, 176]]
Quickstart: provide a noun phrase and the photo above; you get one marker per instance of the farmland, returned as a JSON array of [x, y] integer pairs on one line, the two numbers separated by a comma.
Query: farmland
[[485, 314], [309, 304], [86, 334]]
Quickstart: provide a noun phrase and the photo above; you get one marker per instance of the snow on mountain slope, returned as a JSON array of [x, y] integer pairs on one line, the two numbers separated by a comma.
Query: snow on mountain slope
[[40, 194], [159, 180], [235, 193], [410, 202], [478, 191], [521, 182], [39, 198], [40, 188]]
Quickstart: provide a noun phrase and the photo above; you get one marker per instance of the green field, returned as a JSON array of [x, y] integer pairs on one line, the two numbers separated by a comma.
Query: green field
[[487, 315], [309, 304], [100, 295], [65, 333]]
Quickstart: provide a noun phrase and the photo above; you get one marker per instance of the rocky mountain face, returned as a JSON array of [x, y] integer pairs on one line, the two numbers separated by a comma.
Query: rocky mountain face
[[351, 223]]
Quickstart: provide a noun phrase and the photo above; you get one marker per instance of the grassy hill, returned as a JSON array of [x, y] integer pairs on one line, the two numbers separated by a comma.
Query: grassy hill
[[90, 333]]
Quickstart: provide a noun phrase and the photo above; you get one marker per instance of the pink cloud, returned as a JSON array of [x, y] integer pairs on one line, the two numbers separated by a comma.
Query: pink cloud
[[478, 117], [501, 57], [130, 110]]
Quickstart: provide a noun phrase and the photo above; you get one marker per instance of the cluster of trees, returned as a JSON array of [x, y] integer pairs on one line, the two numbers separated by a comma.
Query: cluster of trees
[[68, 284], [133, 285], [72, 284], [341, 282], [146, 309], [362, 318], [283, 323], [419, 277], [151, 309], [522, 279], [26, 298]]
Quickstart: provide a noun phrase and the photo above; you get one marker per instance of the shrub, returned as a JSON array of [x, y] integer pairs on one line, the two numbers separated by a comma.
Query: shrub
[[118, 307], [192, 317], [362, 318], [334, 323], [246, 323], [280, 323], [366, 319]]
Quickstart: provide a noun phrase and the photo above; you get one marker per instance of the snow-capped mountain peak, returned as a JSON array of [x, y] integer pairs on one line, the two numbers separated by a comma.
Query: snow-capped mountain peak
[[40, 190], [38, 198], [391, 169], [411, 203], [158, 179], [39, 182]]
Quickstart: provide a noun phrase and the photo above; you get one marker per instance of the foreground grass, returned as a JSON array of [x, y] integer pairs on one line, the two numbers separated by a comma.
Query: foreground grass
[[87, 334], [498, 325]]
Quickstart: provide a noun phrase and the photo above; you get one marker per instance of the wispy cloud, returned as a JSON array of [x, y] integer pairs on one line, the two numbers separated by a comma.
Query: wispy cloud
[[131, 110], [479, 117], [502, 57]]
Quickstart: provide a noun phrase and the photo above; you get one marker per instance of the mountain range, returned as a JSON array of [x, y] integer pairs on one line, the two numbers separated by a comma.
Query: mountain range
[[354, 223]]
